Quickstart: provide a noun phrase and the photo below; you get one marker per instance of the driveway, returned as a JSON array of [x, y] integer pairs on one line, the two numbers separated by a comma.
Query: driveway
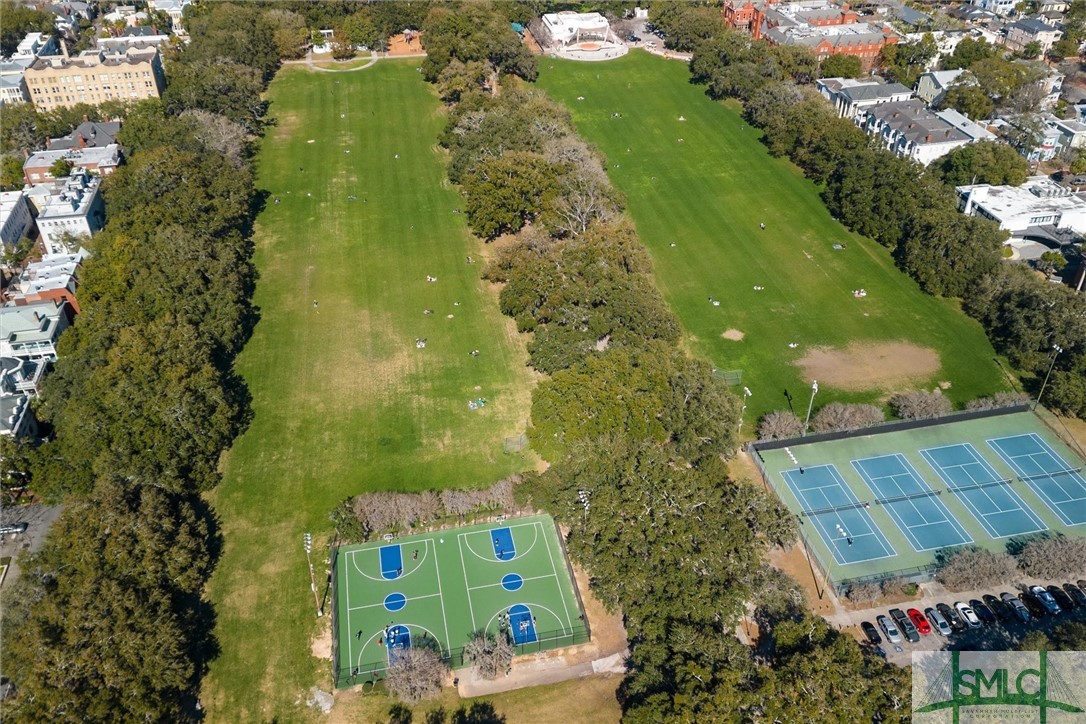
[[39, 519]]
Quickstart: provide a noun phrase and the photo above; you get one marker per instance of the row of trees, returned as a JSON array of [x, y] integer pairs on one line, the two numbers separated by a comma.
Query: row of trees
[[1048, 558], [908, 209], [109, 620], [639, 430]]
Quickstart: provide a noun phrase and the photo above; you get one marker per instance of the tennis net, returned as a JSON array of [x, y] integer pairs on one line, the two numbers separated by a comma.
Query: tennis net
[[977, 486], [1053, 474], [911, 496], [835, 509]]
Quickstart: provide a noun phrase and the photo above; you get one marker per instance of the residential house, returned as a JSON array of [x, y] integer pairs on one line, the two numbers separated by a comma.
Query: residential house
[[1030, 30], [68, 14], [54, 277], [911, 130], [94, 76], [1072, 133], [31, 331], [1001, 8], [100, 160], [1036, 203], [72, 207], [175, 9], [12, 84], [945, 42], [21, 376], [16, 418], [933, 85], [849, 96], [16, 218], [88, 134], [139, 36], [1053, 6]]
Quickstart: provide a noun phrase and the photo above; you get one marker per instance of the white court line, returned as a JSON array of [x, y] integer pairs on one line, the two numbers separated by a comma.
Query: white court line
[[464, 568], [1030, 480], [382, 603], [519, 554], [561, 593], [491, 585], [444, 616], [347, 585]]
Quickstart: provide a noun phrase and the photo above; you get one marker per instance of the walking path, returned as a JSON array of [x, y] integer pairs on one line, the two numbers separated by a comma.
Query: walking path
[[310, 63], [544, 670]]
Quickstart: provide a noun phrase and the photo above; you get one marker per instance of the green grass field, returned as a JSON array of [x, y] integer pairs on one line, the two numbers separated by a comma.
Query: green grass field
[[992, 517], [708, 195], [343, 400], [444, 586]]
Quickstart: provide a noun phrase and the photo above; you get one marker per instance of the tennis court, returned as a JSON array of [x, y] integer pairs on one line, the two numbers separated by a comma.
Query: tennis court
[[907, 494], [990, 498], [1058, 483], [911, 502], [841, 520], [436, 589]]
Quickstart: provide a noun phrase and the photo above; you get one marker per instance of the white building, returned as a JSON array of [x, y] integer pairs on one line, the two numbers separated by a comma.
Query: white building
[[32, 46], [849, 96], [73, 207], [175, 9], [31, 331], [1038, 202], [141, 35], [16, 220], [568, 27], [999, 7], [911, 130], [12, 81], [933, 85]]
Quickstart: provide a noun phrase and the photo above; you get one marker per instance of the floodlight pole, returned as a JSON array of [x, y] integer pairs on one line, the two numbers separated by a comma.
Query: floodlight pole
[[810, 406], [1056, 353], [746, 393], [308, 542]]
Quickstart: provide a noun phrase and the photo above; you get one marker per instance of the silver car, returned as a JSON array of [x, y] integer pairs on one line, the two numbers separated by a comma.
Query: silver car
[[938, 622], [888, 628]]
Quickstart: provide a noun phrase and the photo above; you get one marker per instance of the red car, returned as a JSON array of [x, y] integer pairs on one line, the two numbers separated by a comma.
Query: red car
[[919, 621]]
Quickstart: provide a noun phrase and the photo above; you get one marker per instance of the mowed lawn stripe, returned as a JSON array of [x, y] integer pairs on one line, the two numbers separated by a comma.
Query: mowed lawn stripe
[[711, 191], [343, 401]]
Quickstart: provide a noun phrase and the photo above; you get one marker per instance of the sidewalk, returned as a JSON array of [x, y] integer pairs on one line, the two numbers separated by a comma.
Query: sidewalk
[[544, 670]]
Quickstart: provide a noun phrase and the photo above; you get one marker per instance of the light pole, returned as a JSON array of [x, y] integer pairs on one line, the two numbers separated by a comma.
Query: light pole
[[583, 495], [746, 393], [308, 542], [1056, 353], [810, 406]]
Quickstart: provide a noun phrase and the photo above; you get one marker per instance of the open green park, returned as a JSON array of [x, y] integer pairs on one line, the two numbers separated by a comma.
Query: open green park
[[699, 185], [358, 215]]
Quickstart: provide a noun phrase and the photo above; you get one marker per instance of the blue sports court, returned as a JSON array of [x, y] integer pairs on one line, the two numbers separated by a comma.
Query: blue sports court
[[840, 519], [913, 505], [1058, 483], [990, 498]]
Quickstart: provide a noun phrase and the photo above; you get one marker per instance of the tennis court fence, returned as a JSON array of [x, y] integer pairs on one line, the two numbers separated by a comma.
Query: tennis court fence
[[346, 674], [841, 587]]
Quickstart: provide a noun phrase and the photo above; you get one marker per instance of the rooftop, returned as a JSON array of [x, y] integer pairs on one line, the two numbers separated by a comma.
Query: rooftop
[[93, 133], [91, 156], [95, 58], [915, 122], [1034, 26], [70, 196], [1038, 196], [944, 78], [30, 322]]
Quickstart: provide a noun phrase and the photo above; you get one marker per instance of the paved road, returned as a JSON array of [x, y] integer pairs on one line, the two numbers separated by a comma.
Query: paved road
[[40, 518]]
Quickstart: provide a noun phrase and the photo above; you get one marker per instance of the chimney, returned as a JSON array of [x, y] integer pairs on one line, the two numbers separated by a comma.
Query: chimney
[[63, 48], [86, 118], [48, 143], [927, 139], [80, 141]]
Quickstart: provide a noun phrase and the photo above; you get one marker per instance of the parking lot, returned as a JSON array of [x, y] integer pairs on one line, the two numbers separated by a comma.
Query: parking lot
[[38, 518], [1005, 633]]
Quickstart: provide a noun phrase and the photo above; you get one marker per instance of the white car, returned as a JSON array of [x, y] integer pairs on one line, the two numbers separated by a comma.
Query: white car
[[888, 628], [967, 614], [938, 622]]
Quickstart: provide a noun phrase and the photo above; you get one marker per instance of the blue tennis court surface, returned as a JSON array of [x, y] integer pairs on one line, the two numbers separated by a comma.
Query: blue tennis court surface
[[522, 623], [913, 505], [849, 533], [391, 562], [1035, 462], [990, 499], [504, 548]]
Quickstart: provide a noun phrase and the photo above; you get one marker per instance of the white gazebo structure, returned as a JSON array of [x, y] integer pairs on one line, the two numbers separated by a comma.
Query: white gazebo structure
[[583, 36]]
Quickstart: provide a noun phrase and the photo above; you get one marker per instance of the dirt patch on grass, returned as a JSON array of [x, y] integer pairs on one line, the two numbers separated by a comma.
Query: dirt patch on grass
[[399, 45], [734, 335], [794, 563], [862, 366], [285, 125], [321, 646], [608, 633]]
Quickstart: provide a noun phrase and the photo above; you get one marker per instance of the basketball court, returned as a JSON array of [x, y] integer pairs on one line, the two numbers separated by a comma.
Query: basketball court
[[436, 589]]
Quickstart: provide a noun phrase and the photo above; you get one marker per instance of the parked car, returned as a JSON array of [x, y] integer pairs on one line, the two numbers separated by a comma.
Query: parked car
[[983, 612], [1077, 595], [1033, 604], [919, 621], [1046, 599], [938, 622], [888, 628], [967, 613], [13, 528], [871, 632], [906, 626], [1062, 599], [1002, 611], [1020, 611], [951, 617]]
